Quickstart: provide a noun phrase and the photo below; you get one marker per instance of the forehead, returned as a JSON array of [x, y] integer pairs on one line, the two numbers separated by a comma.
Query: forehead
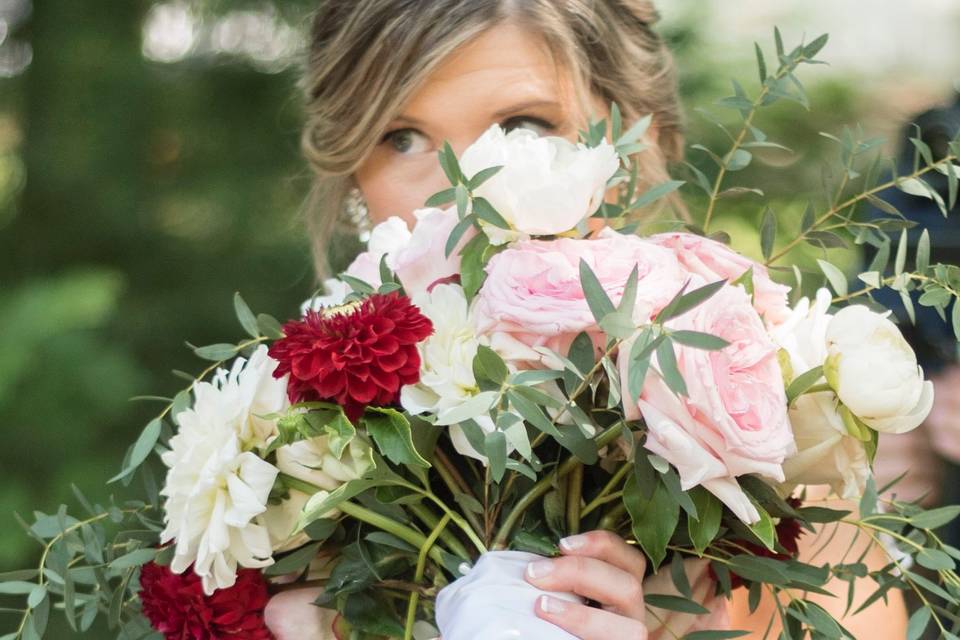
[[504, 65]]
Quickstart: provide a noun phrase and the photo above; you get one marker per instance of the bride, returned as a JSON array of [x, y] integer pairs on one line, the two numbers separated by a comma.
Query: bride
[[388, 81]]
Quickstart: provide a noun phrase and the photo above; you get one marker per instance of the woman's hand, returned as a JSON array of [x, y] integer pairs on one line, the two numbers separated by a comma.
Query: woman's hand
[[600, 566]]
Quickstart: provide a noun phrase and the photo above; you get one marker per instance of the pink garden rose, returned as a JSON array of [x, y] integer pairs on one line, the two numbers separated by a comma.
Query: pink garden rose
[[421, 261], [734, 420], [714, 261], [533, 297]]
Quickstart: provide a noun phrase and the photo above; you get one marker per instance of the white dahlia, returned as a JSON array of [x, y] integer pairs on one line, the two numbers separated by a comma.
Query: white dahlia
[[217, 486]]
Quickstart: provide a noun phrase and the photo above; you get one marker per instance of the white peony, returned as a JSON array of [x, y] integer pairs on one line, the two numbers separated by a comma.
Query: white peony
[[547, 185], [826, 452], [874, 371], [217, 488]]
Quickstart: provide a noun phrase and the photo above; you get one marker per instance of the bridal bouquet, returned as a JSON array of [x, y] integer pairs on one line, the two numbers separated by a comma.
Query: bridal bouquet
[[520, 366]]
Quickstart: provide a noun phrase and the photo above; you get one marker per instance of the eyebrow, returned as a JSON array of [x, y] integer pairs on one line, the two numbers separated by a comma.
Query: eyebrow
[[503, 113]]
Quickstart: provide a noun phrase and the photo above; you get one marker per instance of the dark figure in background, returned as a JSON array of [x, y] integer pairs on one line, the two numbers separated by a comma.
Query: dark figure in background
[[932, 452]]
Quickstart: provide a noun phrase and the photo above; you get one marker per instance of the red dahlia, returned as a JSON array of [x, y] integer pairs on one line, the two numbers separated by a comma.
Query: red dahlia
[[356, 355], [177, 607]]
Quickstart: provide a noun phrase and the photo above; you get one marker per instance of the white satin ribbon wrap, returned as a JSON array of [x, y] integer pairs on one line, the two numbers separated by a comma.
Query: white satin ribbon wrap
[[494, 602]]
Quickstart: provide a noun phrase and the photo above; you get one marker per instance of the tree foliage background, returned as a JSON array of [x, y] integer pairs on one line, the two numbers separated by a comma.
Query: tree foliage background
[[139, 188]]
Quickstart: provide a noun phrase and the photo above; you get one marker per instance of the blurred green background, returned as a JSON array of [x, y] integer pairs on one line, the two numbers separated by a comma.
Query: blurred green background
[[149, 168]]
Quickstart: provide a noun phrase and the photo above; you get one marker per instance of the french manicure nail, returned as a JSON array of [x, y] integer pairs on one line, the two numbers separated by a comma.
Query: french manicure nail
[[552, 605], [539, 569], [572, 543]]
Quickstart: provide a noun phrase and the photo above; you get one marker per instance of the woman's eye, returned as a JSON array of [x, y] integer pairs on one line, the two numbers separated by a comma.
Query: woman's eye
[[537, 125], [407, 141]]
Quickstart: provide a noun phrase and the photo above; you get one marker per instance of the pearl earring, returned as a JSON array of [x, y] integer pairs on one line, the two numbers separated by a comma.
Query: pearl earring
[[358, 214]]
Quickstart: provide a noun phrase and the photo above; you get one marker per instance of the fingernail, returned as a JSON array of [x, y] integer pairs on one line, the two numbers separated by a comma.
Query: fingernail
[[552, 605], [539, 569], [572, 543]]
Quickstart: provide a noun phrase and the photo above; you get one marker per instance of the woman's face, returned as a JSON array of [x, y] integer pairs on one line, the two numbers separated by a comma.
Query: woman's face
[[504, 76]]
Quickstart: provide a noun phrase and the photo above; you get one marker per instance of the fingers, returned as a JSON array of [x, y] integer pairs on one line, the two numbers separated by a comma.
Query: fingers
[[599, 580], [589, 623], [606, 546]]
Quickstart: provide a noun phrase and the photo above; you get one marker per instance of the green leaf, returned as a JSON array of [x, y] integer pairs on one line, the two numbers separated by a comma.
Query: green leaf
[[247, 320], [656, 192], [923, 251], [269, 326], [706, 526], [293, 562], [476, 406], [219, 351], [462, 197], [955, 319], [918, 623], [16, 587], [449, 164], [667, 361], [761, 63], [802, 383], [768, 232], [390, 429], [472, 273], [635, 132], [533, 414], [482, 176], [492, 364], [629, 299], [495, 446], [699, 340], [715, 635], [678, 575], [456, 234], [441, 197], [759, 569], [654, 518], [935, 518], [836, 278], [738, 160], [901, 260], [934, 559], [684, 302], [596, 296], [811, 50], [486, 212], [141, 448], [618, 325], [764, 529], [133, 559], [639, 361], [674, 603]]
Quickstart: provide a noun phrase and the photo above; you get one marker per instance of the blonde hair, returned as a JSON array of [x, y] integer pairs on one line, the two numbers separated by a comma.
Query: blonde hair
[[367, 58]]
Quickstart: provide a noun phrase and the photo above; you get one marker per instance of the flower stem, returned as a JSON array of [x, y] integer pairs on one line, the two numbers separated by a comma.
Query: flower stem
[[544, 485], [390, 525], [455, 482], [418, 576], [603, 497], [574, 496], [430, 519]]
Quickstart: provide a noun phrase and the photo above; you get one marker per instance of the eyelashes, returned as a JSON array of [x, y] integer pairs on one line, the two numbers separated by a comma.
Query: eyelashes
[[408, 140]]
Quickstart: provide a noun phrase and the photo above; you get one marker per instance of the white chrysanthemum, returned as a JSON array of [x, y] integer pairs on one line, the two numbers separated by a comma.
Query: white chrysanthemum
[[217, 487]]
